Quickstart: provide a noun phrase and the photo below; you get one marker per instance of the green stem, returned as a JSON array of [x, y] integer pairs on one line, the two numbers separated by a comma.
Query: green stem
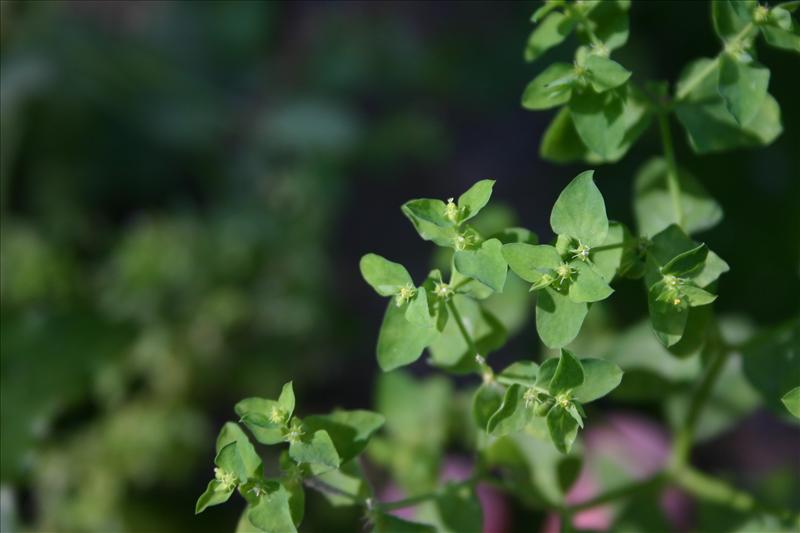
[[685, 435], [715, 490], [320, 486], [672, 167], [486, 370], [619, 493], [416, 500]]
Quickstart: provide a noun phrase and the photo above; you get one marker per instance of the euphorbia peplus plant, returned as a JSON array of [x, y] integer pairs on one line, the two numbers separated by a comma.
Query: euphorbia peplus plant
[[722, 103]]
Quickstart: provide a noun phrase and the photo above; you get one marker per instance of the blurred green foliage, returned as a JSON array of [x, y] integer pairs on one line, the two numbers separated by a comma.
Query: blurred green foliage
[[174, 182]]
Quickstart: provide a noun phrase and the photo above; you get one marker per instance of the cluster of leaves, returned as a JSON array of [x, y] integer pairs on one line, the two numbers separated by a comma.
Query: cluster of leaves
[[721, 102], [322, 446]]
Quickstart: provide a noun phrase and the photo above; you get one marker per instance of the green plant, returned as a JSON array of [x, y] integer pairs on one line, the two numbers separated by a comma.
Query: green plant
[[722, 103]]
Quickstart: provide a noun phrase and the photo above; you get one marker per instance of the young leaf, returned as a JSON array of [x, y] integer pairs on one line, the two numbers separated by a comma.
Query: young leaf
[[551, 88], [730, 17], [668, 319], [605, 74], [512, 415], [792, 401], [782, 38], [558, 319], [743, 86], [401, 342], [429, 210], [599, 120], [531, 262], [474, 199], [231, 432], [587, 285], [521, 372], [385, 276], [696, 296], [485, 264], [609, 21], [485, 402], [273, 514], [417, 310], [214, 494], [568, 375], [256, 414], [687, 263], [550, 32], [315, 449], [599, 378], [580, 211], [349, 431], [563, 428], [228, 459]]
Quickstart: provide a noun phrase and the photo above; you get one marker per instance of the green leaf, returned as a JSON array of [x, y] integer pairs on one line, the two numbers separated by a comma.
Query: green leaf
[[609, 21], [429, 210], [474, 199], [485, 264], [580, 211], [418, 312], [228, 459], [549, 5], [560, 142], [347, 479], [551, 88], [512, 415], [668, 320], [687, 263], [696, 296], [521, 372], [273, 514], [708, 123], [315, 448], [599, 378], [386, 523], [652, 203], [568, 374], [606, 259], [531, 262], [231, 432], [792, 401], [487, 399], [348, 430], [781, 38], [549, 33], [401, 342], [605, 74], [385, 276], [672, 242], [213, 495], [558, 319], [255, 414], [599, 120], [587, 285], [730, 17], [563, 428], [442, 232], [546, 372], [743, 86]]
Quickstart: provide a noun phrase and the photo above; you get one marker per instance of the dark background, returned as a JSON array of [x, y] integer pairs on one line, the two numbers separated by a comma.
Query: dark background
[[187, 189]]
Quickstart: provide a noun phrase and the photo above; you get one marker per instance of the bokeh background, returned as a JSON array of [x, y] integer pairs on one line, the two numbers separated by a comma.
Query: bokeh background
[[186, 189]]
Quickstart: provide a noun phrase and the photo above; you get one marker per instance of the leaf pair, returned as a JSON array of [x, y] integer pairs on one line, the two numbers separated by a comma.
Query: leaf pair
[[578, 269], [556, 390], [677, 274]]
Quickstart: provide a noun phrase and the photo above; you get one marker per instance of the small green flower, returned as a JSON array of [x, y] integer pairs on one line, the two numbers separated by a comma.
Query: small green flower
[[451, 211], [443, 290], [227, 480], [405, 294]]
